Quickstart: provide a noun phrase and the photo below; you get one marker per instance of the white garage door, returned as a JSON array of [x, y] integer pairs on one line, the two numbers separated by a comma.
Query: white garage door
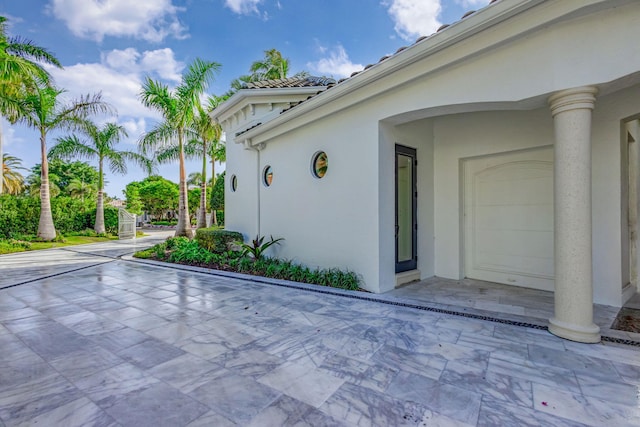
[[508, 218]]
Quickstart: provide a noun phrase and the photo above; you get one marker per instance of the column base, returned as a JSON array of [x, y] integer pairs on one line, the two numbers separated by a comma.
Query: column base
[[569, 331]]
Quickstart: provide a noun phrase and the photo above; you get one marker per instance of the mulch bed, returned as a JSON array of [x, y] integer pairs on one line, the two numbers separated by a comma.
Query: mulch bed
[[628, 319]]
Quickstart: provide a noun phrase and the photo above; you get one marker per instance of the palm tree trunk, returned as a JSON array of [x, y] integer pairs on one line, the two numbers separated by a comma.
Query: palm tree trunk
[[202, 217], [99, 225], [184, 223], [46, 229], [214, 216]]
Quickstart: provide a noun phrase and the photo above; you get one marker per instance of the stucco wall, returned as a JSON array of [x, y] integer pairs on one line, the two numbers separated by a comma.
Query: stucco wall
[[346, 218], [241, 213], [327, 222]]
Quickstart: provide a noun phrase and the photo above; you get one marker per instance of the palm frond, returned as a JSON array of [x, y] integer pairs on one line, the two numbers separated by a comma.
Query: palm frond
[[26, 49], [71, 147], [168, 154], [158, 138], [156, 95]]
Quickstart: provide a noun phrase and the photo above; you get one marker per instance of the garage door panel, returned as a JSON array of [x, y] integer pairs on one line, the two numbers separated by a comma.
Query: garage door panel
[[508, 233], [533, 218], [497, 249], [503, 185]]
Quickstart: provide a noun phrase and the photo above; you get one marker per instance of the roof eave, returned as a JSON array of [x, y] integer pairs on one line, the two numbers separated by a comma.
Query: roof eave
[[242, 97]]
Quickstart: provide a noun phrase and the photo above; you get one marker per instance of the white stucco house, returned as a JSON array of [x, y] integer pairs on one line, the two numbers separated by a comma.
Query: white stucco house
[[502, 148]]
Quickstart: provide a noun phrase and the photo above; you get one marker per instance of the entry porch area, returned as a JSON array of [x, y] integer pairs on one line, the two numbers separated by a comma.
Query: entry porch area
[[505, 303]]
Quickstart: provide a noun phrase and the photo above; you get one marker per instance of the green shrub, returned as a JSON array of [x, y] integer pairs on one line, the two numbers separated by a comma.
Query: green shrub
[[172, 222], [19, 215], [220, 217], [174, 242], [217, 240], [110, 219], [190, 252], [146, 254]]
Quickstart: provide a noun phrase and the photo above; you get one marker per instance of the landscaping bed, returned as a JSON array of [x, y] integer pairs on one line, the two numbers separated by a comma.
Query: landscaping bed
[[181, 250]]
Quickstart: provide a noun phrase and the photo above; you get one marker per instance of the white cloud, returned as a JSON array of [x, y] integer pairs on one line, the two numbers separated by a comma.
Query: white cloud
[[163, 63], [160, 62], [414, 18], [9, 136], [150, 20], [337, 64], [134, 127], [243, 7], [119, 76]]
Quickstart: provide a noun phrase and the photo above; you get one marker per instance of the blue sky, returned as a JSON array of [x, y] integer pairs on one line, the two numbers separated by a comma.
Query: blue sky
[[109, 46]]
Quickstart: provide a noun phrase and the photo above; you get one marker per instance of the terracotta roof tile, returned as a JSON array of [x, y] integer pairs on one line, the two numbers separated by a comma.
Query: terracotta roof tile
[[248, 129], [290, 82]]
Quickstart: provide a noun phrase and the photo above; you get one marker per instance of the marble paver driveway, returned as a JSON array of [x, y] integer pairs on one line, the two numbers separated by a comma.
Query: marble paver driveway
[[122, 343]]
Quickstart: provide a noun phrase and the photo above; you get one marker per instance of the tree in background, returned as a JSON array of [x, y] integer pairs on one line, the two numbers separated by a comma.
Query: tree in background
[[272, 66], [177, 108], [43, 110], [12, 180], [61, 174], [78, 189], [99, 143], [194, 202], [217, 193], [132, 197], [217, 153], [158, 195], [194, 179]]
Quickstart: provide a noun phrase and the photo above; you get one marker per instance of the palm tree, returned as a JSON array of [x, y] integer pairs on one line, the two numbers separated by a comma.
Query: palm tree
[[177, 108], [12, 180], [99, 143], [78, 189], [272, 66], [20, 68], [43, 110], [18, 73], [194, 179], [208, 134], [34, 185]]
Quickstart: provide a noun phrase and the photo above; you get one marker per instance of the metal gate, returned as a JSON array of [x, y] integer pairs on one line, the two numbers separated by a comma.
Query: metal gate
[[126, 225]]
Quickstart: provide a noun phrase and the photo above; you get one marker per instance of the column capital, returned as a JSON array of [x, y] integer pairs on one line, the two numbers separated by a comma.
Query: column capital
[[573, 99]]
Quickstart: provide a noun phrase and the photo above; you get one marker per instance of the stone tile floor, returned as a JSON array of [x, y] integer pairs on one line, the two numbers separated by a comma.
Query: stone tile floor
[[507, 302], [124, 343]]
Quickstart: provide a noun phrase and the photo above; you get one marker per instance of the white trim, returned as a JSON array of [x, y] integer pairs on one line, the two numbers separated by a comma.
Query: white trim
[[245, 97]]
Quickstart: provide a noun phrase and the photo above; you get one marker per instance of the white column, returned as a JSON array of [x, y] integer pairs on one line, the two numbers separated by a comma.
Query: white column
[[573, 319]]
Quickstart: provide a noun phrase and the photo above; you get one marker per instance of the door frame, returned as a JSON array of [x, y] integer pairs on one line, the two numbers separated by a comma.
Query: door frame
[[412, 264]]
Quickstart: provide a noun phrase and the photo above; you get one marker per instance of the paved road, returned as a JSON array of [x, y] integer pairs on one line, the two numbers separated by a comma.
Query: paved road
[[124, 343]]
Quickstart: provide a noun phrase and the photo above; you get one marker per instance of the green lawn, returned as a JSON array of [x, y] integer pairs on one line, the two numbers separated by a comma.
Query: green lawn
[[7, 247]]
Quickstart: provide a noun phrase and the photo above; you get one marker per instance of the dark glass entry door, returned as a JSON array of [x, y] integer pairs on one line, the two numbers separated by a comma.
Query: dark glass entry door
[[406, 206]]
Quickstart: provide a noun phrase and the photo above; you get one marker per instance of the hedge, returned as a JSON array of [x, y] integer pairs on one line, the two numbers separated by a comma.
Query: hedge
[[19, 215], [217, 240]]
